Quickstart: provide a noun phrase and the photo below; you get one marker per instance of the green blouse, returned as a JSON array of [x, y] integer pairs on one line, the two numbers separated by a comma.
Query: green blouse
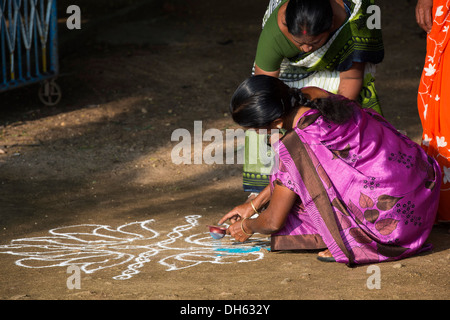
[[273, 45], [355, 42]]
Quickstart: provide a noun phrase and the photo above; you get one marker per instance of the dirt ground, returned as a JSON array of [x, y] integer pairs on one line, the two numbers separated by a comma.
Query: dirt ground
[[135, 72]]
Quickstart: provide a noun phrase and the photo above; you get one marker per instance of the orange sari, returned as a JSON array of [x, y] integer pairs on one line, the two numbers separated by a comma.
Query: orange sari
[[434, 100]]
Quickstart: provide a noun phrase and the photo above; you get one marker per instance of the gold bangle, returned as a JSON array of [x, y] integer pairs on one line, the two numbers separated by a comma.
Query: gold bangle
[[253, 206], [242, 228]]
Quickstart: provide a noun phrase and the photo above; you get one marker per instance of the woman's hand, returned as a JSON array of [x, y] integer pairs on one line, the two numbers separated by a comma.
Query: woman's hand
[[238, 213], [237, 217], [424, 14], [246, 210], [235, 230]]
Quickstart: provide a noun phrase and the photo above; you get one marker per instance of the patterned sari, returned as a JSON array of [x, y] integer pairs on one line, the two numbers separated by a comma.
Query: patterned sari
[[434, 100], [352, 42], [366, 192]]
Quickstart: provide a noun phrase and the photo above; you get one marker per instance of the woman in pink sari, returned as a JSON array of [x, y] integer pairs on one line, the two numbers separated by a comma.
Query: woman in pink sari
[[347, 181]]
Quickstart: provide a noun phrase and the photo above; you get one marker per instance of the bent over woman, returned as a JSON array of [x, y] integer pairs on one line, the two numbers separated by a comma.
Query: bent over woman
[[346, 180], [330, 44]]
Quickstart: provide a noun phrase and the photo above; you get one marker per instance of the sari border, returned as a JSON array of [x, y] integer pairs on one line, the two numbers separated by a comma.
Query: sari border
[[314, 185], [296, 242]]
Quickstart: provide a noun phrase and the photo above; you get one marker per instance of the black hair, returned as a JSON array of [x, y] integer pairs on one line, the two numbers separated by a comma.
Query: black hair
[[261, 99], [311, 16]]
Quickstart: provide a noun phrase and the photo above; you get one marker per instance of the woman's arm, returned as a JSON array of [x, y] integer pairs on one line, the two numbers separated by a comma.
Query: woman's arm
[[274, 74], [269, 221], [352, 81]]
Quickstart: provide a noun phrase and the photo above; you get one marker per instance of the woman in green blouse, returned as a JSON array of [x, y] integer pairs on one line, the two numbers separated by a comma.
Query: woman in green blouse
[[330, 44]]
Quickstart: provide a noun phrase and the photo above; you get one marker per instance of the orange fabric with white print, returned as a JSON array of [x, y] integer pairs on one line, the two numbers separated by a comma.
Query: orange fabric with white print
[[434, 99]]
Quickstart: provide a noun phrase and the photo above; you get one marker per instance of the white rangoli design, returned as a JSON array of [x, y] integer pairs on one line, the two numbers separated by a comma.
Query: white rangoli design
[[94, 247]]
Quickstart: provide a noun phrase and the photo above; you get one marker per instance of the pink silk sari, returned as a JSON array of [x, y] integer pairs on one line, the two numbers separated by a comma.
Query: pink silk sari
[[366, 192]]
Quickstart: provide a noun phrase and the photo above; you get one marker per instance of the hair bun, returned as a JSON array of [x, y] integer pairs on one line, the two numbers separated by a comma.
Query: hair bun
[[297, 98]]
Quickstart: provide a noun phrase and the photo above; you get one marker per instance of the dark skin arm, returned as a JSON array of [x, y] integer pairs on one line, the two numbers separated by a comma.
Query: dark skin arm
[[274, 74], [351, 80], [424, 14], [269, 221]]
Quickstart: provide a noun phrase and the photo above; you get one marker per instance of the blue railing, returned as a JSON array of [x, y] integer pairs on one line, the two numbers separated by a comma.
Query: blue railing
[[28, 39]]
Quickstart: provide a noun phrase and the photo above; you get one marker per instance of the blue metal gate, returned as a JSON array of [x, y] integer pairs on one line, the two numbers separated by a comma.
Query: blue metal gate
[[29, 47]]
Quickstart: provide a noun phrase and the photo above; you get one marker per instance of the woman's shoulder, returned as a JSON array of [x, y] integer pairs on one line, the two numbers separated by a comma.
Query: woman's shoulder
[[271, 27]]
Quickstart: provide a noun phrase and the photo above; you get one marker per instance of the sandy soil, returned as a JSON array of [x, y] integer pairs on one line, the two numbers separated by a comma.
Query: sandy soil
[[134, 73]]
